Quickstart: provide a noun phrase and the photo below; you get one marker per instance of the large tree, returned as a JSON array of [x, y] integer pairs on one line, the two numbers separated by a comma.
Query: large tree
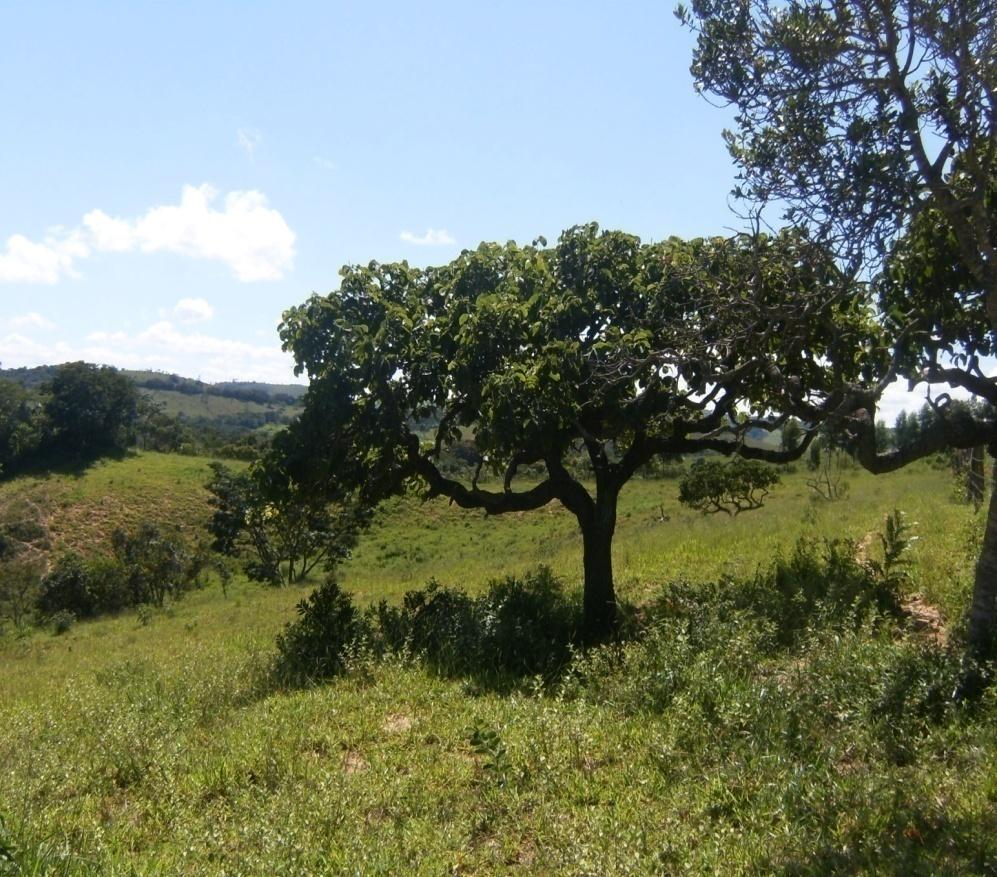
[[89, 409], [600, 344], [873, 124]]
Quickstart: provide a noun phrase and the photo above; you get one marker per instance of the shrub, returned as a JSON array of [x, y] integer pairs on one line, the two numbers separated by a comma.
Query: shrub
[[149, 565], [62, 622], [518, 627], [84, 587], [316, 645], [67, 588], [156, 563]]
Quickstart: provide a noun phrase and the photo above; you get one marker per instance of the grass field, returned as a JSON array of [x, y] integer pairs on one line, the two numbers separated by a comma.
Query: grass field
[[209, 407], [159, 745], [83, 509]]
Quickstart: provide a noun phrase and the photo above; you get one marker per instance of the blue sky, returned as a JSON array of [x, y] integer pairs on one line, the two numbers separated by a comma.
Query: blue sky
[[174, 175]]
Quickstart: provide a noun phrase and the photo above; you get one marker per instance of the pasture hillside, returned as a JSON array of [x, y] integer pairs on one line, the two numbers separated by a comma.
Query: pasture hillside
[[160, 743], [81, 509]]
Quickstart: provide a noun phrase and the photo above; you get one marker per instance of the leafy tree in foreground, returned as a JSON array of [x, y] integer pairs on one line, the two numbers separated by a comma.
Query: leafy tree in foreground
[[601, 343], [875, 124]]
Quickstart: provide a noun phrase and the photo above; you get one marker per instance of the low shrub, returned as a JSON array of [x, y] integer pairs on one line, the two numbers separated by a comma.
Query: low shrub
[[62, 622], [149, 565], [519, 627], [317, 644]]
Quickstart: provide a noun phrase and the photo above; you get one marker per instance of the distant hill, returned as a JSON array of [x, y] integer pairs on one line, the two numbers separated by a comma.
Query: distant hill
[[229, 406]]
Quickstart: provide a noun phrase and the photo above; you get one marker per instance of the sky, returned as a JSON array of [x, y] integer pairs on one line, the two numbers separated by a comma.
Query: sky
[[173, 176]]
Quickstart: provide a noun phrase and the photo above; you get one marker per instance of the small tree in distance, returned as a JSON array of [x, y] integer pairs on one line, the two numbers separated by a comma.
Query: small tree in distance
[[602, 344], [287, 533], [739, 486]]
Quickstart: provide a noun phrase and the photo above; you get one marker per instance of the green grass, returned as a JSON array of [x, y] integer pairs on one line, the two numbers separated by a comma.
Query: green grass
[[412, 541], [161, 748], [208, 407], [83, 509]]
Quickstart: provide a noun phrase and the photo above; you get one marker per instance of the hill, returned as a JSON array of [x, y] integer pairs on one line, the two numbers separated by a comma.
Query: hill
[[657, 539], [158, 742], [235, 407], [81, 510]]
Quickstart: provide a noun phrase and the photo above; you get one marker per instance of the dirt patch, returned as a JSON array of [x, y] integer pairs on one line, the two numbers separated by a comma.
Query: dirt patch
[[353, 762], [925, 618], [397, 723]]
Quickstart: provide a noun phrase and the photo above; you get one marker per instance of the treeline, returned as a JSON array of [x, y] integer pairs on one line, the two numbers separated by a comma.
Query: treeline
[[83, 412], [908, 428], [242, 393]]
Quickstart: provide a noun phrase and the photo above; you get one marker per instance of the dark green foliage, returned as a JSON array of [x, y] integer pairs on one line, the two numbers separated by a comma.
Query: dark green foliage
[[712, 486], [89, 410], [69, 587], [156, 563], [62, 622], [282, 531], [329, 627], [517, 628], [600, 345], [21, 426], [149, 565]]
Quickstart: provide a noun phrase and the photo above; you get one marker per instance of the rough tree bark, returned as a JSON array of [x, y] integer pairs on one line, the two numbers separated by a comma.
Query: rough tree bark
[[975, 477], [984, 605]]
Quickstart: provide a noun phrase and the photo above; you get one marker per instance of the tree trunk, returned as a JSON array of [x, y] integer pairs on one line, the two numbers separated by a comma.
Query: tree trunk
[[599, 595], [981, 615], [976, 478]]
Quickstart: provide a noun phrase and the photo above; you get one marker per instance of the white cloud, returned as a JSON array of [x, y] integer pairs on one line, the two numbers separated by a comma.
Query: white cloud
[[247, 139], [325, 163], [193, 310], [25, 261], [31, 320], [247, 235], [434, 237]]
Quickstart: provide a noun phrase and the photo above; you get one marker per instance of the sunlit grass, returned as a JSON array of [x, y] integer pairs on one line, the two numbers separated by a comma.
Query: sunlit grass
[[160, 747]]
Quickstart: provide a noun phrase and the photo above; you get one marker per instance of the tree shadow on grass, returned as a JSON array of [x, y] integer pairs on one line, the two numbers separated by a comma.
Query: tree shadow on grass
[[501, 641], [66, 464]]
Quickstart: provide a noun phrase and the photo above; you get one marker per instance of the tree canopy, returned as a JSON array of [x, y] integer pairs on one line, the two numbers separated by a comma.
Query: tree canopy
[[874, 124], [600, 343]]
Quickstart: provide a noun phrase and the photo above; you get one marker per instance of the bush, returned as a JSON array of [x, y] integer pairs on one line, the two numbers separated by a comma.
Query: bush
[[66, 587], [316, 645], [62, 622], [149, 565], [84, 587], [517, 628]]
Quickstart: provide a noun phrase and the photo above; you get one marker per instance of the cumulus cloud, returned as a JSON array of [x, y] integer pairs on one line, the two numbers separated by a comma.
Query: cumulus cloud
[[30, 320], [246, 234], [193, 310], [247, 139], [434, 237], [26, 261]]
